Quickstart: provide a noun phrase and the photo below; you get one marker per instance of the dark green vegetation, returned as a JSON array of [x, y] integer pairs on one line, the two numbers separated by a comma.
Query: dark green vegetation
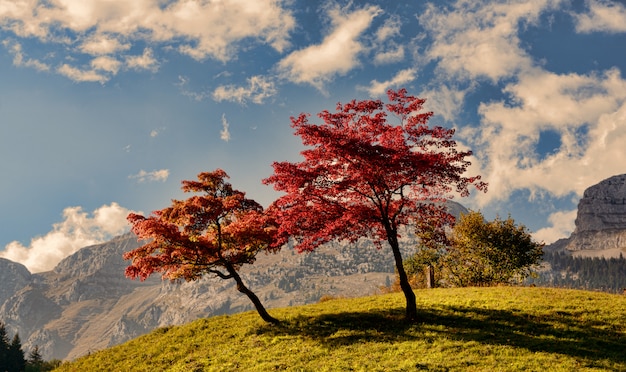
[[597, 273], [12, 356], [475, 252], [465, 329]]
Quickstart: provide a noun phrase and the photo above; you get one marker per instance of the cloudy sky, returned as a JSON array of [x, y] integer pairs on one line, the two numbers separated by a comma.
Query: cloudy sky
[[106, 105]]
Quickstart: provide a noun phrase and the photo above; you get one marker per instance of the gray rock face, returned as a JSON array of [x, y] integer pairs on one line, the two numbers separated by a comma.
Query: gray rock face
[[603, 206], [13, 277], [601, 220]]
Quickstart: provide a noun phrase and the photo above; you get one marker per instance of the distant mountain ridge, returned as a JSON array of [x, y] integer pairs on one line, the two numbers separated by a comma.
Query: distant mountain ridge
[[86, 303]]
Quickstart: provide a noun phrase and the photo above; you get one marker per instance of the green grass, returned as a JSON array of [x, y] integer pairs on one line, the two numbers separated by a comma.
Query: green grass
[[464, 329]]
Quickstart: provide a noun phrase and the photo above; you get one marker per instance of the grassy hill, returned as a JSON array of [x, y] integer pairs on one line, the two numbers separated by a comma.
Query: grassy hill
[[465, 329]]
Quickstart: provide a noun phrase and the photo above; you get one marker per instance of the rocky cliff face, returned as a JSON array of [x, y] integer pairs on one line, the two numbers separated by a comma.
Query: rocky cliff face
[[603, 206], [601, 220], [13, 277]]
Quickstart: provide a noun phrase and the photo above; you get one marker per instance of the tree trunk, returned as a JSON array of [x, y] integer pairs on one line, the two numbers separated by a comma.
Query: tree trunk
[[253, 297], [429, 273], [411, 305]]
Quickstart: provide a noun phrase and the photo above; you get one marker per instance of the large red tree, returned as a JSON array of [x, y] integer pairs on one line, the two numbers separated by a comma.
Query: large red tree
[[363, 176], [213, 233]]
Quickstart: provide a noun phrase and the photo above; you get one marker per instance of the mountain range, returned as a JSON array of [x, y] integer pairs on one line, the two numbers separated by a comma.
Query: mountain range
[[86, 303]]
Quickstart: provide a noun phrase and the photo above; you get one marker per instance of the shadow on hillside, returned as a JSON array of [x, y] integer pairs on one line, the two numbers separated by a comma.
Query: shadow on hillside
[[561, 332]]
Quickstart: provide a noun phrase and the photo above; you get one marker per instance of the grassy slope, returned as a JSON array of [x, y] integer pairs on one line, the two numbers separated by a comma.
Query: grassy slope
[[468, 329]]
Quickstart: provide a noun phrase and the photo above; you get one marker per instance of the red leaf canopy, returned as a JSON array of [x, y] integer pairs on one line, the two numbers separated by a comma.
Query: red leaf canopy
[[220, 228], [364, 176]]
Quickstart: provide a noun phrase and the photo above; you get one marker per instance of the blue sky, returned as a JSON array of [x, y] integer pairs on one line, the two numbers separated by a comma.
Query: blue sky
[[105, 106]]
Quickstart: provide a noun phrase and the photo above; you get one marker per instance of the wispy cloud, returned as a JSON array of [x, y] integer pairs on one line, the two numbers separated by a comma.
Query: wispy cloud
[[389, 29], [182, 84], [145, 61], [87, 75], [259, 88], [225, 133], [21, 60], [336, 55], [603, 15], [156, 132], [388, 50], [77, 229], [160, 175], [478, 39], [101, 44], [401, 78]]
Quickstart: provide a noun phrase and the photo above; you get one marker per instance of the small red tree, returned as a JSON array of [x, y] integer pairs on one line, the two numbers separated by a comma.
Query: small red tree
[[214, 233], [365, 177]]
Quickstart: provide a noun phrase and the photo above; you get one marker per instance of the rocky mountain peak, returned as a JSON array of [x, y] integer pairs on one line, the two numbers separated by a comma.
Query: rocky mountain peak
[[600, 221], [603, 206], [13, 276]]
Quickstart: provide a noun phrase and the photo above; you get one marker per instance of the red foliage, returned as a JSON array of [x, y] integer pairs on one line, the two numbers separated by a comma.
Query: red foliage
[[363, 176], [219, 229], [362, 172]]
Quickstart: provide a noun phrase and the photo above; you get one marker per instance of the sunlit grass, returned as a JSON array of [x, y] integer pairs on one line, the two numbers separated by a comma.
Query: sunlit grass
[[466, 329]]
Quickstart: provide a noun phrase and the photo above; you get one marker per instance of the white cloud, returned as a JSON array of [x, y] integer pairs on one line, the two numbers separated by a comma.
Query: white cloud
[[606, 16], [479, 39], [78, 75], [224, 133], [154, 176], [156, 132], [259, 88], [101, 44], [561, 226], [392, 53], [336, 55], [183, 82], [389, 29], [388, 51], [445, 101], [377, 88], [112, 27], [21, 60], [77, 229], [107, 64], [146, 61], [587, 112], [473, 41]]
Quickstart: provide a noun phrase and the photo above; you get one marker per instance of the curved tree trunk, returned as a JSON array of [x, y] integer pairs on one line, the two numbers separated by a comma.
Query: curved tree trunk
[[411, 305], [253, 297]]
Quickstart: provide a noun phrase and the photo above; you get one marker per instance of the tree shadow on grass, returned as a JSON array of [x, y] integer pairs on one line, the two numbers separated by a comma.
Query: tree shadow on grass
[[344, 328], [560, 332]]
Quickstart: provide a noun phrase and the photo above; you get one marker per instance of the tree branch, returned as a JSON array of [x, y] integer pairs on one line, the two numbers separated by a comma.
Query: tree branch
[[220, 274]]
